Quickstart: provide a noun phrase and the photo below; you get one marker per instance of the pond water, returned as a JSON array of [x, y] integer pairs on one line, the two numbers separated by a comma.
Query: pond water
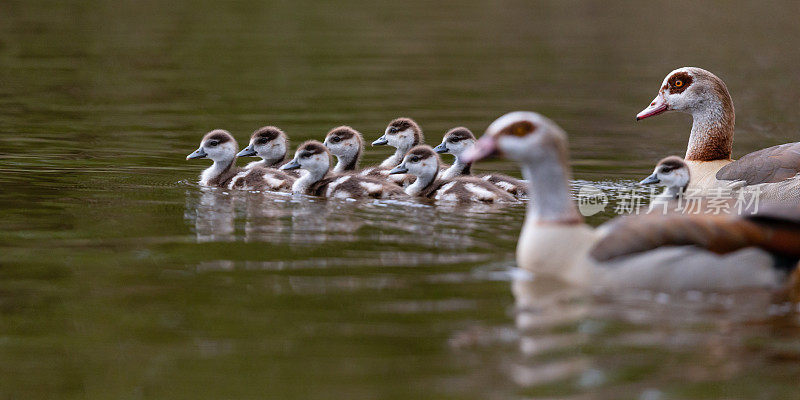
[[121, 278]]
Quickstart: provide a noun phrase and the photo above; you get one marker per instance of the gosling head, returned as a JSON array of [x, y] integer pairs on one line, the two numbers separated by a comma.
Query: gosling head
[[402, 133], [456, 141], [218, 145], [420, 161], [311, 156], [346, 144], [691, 90], [269, 142], [671, 172], [523, 136]]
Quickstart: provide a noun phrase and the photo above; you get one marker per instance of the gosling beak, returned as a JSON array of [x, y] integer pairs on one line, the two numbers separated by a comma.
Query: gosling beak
[[658, 106], [290, 165], [485, 147], [441, 148], [199, 153], [381, 141], [400, 169], [650, 180], [247, 152]]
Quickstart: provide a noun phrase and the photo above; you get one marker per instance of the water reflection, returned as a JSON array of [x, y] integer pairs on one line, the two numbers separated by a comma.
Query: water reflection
[[390, 233], [573, 342]]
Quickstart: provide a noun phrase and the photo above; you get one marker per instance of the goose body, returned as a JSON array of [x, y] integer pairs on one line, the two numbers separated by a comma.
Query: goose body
[[423, 162], [676, 252], [259, 178], [458, 140], [314, 159], [774, 172]]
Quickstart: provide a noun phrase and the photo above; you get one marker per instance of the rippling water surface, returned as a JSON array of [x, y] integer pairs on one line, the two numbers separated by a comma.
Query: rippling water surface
[[121, 278]]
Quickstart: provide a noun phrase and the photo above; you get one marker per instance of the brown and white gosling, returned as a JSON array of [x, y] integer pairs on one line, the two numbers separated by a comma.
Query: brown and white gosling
[[458, 140], [672, 173], [422, 162], [672, 252], [695, 91], [220, 146], [270, 143], [315, 161]]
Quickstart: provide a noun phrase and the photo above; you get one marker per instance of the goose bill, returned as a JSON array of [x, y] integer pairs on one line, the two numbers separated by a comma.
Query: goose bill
[[400, 169], [291, 165], [650, 180], [658, 106], [199, 153], [381, 141], [247, 152]]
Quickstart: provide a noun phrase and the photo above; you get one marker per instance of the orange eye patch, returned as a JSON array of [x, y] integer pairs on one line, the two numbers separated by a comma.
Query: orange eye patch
[[521, 128], [679, 82]]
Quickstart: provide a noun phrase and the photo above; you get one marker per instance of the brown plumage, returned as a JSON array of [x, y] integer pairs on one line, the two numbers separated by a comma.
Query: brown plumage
[[423, 162], [259, 178], [775, 229], [224, 178], [773, 164]]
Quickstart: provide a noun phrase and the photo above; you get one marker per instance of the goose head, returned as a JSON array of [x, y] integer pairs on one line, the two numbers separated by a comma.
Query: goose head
[[347, 145], [311, 156], [217, 145], [269, 142], [456, 141], [402, 134], [690, 90], [671, 172], [523, 136], [420, 161]]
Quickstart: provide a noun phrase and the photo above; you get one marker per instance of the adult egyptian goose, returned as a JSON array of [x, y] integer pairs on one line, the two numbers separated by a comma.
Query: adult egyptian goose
[[270, 143], [662, 252], [702, 94], [456, 141], [422, 162], [315, 161], [220, 146]]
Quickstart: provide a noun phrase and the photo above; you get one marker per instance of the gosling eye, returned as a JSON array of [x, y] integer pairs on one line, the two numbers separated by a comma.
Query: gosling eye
[[213, 143], [414, 159], [261, 141], [392, 130], [336, 139], [453, 140], [665, 171]]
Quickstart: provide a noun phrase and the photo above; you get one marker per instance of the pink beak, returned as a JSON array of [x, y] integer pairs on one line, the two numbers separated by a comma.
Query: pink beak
[[485, 147], [658, 106]]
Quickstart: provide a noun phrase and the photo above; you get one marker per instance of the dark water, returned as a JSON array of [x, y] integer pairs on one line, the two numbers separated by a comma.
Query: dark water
[[121, 279]]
